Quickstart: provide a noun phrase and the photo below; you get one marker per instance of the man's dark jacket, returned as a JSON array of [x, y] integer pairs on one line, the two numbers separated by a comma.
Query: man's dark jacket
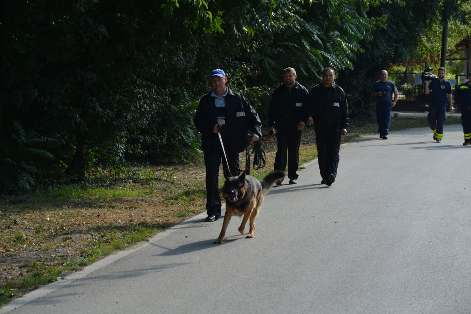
[[240, 119], [288, 107], [329, 107], [463, 96]]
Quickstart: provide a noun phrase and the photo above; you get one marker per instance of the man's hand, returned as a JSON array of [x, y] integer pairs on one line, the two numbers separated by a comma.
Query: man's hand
[[310, 121], [272, 131], [254, 139], [343, 131], [394, 103], [301, 125], [215, 128]]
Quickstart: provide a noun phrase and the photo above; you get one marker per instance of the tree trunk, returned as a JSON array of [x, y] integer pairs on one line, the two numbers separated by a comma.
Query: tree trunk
[[76, 169], [445, 18]]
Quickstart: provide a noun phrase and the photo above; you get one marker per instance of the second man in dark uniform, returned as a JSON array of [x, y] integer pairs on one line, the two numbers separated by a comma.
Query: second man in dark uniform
[[329, 110], [287, 116]]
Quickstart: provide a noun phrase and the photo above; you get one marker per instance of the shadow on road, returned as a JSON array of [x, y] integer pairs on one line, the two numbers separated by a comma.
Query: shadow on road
[[118, 275], [54, 299], [441, 147], [188, 248], [292, 188], [127, 273], [396, 144]]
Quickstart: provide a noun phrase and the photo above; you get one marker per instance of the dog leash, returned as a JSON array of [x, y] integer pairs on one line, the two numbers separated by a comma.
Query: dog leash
[[224, 153], [259, 157]]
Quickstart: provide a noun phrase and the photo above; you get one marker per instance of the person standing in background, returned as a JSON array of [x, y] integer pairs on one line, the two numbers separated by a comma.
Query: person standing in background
[[386, 98]]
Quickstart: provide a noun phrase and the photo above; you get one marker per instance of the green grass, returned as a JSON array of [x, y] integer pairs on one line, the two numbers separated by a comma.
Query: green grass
[[39, 274], [116, 240], [105, 184], [80, 192], [184, 213], [186, 196]]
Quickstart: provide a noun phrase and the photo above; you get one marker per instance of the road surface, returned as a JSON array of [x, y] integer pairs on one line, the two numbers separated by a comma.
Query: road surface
[[392, 235]]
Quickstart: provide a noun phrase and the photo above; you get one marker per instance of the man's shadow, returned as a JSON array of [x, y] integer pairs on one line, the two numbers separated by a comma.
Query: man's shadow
[[293, 187], [195, 246], [441, 147]]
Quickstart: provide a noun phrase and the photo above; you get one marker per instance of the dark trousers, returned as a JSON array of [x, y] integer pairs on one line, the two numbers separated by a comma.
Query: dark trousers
[[213, 157], [436, 119], [466, 121], [383, 117], [287, 151], [328, 147]]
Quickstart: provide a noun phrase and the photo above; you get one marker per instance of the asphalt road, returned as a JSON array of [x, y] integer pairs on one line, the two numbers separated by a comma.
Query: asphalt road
[[392, 235]]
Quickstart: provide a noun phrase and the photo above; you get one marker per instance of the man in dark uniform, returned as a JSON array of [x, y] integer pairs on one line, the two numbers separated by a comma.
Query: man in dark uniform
[[329, 110], [463, 99], [440, 91], [386, 98], [287, 116], [222, 111]]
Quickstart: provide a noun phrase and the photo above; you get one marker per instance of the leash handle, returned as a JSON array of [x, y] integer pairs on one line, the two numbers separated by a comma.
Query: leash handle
[[224, 153]]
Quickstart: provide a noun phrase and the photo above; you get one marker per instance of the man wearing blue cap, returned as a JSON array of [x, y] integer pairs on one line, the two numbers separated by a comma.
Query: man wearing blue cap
[[222, 111]]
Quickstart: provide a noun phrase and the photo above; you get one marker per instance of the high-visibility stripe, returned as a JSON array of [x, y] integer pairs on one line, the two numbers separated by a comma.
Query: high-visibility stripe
[[439, 135], [467, 136], [434, 131]]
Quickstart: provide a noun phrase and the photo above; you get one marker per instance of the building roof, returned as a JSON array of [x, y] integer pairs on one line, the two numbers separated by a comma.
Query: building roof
[[465, 42]]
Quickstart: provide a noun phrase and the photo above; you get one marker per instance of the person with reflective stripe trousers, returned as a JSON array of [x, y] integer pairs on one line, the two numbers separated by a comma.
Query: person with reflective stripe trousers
[[223, 112], [463, 99], [440, 90]]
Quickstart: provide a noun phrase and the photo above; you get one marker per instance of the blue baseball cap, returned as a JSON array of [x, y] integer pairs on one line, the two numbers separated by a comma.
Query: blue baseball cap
[[218, 72]]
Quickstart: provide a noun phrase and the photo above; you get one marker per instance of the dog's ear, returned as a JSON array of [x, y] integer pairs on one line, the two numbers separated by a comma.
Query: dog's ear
[[242, 176]]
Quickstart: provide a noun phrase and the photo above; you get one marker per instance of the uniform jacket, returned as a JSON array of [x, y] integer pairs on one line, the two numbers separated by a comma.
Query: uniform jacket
[[240, 119], [386, 90], [463, 96], [439, 91], [288, 107], [329, 107]]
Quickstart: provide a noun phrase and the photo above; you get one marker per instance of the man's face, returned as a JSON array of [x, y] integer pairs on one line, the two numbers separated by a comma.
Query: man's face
[[218, 84], [328, 78], [383, 76], [441, 73], [289, 78]]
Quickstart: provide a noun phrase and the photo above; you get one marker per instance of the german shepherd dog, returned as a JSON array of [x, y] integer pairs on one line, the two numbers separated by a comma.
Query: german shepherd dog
[[244, 195]]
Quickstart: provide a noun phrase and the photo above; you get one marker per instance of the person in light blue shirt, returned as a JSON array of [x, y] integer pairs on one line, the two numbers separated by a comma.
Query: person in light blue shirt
[[386, 98]]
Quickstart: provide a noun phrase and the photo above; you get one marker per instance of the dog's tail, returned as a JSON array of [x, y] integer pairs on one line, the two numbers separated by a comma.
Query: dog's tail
[[270, 179]]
